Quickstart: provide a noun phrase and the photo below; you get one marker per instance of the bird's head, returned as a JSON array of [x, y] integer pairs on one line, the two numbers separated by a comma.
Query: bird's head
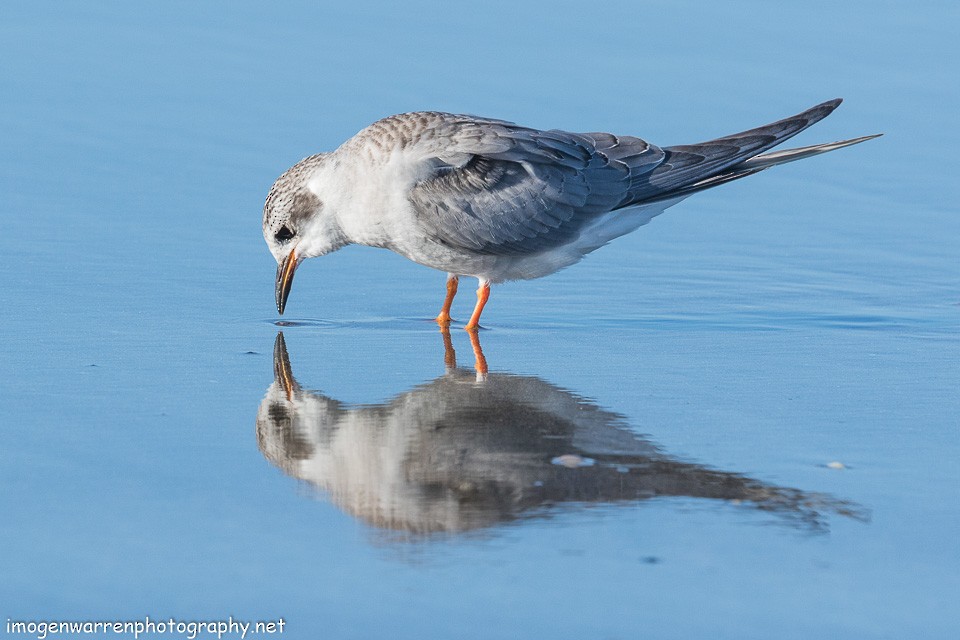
[[296, 224]]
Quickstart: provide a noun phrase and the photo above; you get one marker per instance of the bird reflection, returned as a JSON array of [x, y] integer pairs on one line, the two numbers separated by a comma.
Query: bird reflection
[[472, 449]]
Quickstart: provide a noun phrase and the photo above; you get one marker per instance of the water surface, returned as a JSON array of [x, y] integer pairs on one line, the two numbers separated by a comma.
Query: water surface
[[738, 422]]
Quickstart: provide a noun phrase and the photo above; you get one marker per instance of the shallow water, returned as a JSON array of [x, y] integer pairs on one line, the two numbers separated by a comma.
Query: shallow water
[[740, 421]]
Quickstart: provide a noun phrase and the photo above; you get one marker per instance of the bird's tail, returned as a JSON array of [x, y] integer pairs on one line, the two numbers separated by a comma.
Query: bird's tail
[[687, 169], [789, 155], [759, 163]]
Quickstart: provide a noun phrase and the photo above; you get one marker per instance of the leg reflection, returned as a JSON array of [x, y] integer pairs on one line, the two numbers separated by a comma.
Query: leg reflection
[[450, 355], [480, 361]]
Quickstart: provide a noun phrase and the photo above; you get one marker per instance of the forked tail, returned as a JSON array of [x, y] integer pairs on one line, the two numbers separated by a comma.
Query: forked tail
[[687, 169]]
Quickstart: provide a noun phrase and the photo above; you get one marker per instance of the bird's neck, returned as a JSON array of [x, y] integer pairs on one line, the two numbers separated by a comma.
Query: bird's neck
[[367, 200]]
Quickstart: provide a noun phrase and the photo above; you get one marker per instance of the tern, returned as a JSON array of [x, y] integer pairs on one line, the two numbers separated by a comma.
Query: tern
[[497, 201]]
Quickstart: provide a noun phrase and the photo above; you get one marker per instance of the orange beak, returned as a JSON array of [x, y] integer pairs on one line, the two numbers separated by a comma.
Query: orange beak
[[285, 279]]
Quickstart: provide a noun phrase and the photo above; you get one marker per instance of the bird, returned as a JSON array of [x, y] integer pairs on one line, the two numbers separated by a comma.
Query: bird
[[493, 200]]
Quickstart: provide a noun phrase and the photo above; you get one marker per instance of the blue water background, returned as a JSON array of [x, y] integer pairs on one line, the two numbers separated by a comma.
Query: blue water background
[[770, 327]]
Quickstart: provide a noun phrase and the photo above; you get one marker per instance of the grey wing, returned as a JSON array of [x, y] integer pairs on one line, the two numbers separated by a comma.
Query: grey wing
[[499, 189], [693, 167], [496, 188]]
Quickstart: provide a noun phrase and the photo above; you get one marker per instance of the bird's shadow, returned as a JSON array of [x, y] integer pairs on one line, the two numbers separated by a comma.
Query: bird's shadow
[[473, 449]]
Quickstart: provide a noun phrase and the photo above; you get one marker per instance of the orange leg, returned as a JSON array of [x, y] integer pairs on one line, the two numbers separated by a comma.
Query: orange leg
[[444, 318], [483, 294]]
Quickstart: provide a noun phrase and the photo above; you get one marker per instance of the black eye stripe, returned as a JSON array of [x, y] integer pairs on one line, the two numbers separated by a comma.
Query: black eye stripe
[[283, 234]]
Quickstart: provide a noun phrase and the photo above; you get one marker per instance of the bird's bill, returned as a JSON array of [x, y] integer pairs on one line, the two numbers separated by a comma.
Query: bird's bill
[[285, 279]]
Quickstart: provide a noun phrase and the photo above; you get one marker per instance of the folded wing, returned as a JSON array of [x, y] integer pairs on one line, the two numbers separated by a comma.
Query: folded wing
[[493, 187]]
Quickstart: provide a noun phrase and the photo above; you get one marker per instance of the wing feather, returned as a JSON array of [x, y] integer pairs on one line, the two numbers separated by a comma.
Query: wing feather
[[493, 187], [520, 191], [685, 165]]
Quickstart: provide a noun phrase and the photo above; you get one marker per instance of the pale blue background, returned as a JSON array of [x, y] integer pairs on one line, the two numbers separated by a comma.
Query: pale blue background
[[768, 327]]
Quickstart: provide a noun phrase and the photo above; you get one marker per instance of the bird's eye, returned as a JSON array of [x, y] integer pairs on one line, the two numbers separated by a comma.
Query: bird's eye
[[283, 234]]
